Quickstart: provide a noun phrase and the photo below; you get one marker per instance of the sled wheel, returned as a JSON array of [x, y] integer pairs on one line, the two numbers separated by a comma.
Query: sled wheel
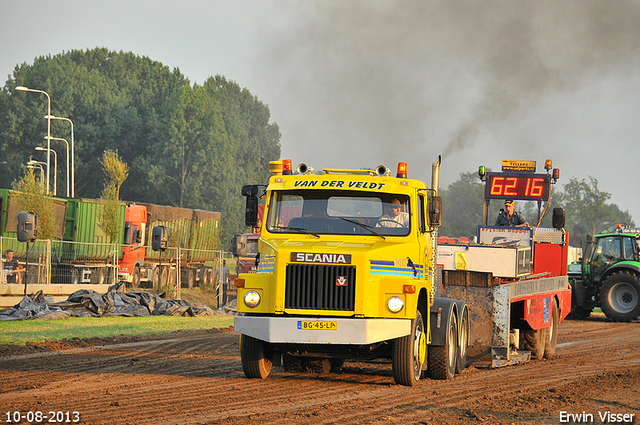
[[550, 348]]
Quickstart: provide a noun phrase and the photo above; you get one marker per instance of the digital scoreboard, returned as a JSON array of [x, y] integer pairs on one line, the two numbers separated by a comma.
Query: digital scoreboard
[[518, 186]]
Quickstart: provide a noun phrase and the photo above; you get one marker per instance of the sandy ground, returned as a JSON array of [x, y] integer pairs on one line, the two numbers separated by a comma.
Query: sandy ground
[[195, 377]]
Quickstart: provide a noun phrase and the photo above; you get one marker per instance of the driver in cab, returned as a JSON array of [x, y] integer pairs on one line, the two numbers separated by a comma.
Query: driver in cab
[[394, 216], [509, 217]]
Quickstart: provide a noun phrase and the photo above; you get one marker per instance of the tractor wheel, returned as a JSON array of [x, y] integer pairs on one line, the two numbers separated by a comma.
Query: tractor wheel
[[619, 297], [442, 359], [463, 342], [550, 348], [409, 354], [536, 341], [256, 357]]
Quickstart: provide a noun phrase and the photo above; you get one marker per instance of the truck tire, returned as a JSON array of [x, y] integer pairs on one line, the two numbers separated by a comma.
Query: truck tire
[[442, 359], [256, 357], [76, 274], [409, 354], [463, 342], [550, 347], [536, 341], [135, 279], [155, 278], [619, 297]]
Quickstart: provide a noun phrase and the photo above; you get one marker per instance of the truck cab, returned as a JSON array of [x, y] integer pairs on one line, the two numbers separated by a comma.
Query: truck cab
[[134, 248], [346, 270]]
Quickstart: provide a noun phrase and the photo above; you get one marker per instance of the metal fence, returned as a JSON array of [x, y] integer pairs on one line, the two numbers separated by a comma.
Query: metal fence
[[74, 263]]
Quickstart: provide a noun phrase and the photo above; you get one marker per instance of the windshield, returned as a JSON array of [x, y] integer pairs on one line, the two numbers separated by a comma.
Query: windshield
[[339, 213]]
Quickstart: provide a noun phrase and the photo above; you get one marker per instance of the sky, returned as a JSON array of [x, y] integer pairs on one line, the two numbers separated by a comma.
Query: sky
[[356, 84]]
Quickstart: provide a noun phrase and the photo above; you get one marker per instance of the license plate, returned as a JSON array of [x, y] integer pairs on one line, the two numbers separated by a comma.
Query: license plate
[[317, 325]]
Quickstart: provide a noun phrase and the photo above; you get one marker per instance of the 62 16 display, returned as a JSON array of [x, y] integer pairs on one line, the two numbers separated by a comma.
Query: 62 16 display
[[519, 186]]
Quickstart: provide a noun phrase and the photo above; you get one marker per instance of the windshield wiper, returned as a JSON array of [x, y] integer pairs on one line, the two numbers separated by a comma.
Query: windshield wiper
[[297, 229], [364, 226]]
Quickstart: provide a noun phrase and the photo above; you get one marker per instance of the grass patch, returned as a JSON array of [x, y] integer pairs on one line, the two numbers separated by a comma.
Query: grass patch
[[200, 296], [21, 331]]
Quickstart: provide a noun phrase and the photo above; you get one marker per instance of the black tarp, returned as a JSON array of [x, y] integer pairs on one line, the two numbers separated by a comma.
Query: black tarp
[[89, 303]]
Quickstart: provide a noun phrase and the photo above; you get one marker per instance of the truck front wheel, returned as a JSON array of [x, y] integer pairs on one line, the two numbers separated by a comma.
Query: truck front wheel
[[256, 357], [619, 297], [409, 353]]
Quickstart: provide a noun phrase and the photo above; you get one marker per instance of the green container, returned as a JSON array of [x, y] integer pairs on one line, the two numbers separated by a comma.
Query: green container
[[82, 225], [188, 228], [9, 209]]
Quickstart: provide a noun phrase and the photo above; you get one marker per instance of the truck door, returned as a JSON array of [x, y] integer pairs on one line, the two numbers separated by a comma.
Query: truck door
[[426, 248]]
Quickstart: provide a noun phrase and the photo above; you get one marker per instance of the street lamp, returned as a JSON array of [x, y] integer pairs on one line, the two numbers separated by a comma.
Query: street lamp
[[55, 168], [22, 88], [33, 164], [63, 140], [73, 164]]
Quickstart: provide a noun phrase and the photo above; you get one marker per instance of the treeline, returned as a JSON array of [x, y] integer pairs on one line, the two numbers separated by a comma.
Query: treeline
[[586, 208], [186, 145]]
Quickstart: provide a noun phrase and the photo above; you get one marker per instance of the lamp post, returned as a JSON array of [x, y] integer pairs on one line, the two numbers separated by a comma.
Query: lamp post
[[22, 88], [73, 155], [55, 168], [33, 164], [63, 140]]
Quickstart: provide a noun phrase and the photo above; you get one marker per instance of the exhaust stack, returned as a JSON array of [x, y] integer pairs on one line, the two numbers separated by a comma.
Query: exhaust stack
[[435, 174]]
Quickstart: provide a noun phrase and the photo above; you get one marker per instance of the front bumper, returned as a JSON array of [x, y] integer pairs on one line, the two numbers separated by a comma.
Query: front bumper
[[347, 331]]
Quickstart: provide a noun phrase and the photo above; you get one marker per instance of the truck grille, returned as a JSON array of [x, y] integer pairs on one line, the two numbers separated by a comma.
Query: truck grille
[[320, 287]]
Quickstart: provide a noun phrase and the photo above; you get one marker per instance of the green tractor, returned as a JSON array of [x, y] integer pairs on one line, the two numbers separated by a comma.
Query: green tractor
[[609, 275]]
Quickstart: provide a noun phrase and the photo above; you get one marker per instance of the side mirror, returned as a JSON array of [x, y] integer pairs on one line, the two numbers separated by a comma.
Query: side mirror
[[251, 209], [139, 236], [434, 207], [239, 246], [27, 226], [558, 218], [160, 238]]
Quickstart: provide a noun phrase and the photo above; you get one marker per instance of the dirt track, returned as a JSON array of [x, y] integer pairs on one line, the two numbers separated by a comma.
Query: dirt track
[[196, 378]]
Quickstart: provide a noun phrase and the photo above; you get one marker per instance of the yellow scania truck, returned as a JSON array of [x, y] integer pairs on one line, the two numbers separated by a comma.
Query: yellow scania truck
[[345, 271]]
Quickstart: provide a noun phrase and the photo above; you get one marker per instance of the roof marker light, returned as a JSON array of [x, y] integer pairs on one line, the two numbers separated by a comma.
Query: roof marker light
[[402, 170]]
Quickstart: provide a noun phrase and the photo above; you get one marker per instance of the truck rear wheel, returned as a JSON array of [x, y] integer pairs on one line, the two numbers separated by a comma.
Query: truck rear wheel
[[256, 357], [409, 354], [463, 338], [135, 281], [550, 347], [442, 359], [619, 297]]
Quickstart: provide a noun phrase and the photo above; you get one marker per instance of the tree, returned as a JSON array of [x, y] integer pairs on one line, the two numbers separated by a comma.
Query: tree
[[115, 173], [586, 209], [462, 203], [187, 145], [31, 195]]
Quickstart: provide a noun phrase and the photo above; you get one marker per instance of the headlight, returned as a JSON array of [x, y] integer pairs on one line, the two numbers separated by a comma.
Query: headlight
[[395, 304], [251, 299]]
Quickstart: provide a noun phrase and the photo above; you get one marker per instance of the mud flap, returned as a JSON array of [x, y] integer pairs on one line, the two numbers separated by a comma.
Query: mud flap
[[489, 311]]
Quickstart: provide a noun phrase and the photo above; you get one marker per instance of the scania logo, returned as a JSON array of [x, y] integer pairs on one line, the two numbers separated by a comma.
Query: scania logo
[[311, 257], [341, 281]]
